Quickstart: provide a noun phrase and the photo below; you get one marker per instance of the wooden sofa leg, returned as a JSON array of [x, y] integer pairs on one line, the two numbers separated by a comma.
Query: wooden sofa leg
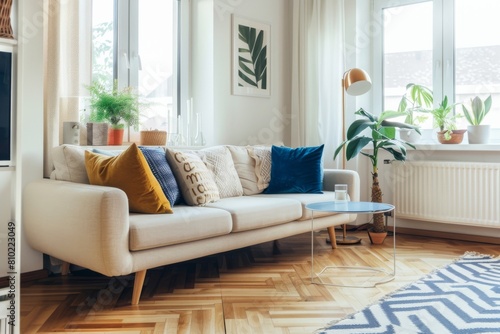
[[333, 238], [65, 268], [138, 283]]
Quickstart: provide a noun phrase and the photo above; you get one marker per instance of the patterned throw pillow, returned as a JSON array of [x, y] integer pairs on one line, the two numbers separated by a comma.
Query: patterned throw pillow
[[245, 167], [262, 156], [157, 161], [219, 161], [130, 172], [296, 170], [193, 177]]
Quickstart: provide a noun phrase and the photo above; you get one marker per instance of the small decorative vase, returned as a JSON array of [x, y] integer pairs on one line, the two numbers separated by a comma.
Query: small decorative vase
[[115, 136], [456, 137], [97, 134], [478, 134]]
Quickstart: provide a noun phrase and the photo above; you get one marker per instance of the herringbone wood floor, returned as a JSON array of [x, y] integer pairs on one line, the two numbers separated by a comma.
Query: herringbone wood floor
[[261, 289]]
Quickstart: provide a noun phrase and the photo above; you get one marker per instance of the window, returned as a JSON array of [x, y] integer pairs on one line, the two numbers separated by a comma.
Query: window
[[477, 53], [135, 43], [450, 46]]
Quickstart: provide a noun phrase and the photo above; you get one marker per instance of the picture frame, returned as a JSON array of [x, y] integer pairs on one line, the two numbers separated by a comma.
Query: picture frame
[[251, 70]]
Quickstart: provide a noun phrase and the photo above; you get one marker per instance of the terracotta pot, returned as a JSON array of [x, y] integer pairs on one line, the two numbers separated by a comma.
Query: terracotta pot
[[115, 136], [456, 137], [377, 238]]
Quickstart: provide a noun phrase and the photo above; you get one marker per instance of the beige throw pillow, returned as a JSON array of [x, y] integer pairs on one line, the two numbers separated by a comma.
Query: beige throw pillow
[[69, 164], [193, 177], [262, 156], [219, 161], [245, 167]]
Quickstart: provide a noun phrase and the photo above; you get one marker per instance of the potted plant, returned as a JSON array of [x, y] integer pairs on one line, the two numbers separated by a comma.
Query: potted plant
[[116, 107], [382, 136], [446, 122], [478, 133], [416, 101]]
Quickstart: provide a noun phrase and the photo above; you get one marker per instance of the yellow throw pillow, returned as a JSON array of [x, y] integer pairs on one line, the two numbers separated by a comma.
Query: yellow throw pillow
[[130, 172]]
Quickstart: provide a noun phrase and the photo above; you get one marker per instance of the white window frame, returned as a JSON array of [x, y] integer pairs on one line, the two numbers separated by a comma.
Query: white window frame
[[443, 52], [127, 62], [443, 47]]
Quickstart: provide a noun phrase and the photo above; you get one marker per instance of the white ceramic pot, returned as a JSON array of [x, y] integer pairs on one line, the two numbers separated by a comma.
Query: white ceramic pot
[[478, 134], [409, 135]]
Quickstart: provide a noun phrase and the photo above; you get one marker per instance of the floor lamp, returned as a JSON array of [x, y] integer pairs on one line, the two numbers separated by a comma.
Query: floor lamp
[[355, 82]]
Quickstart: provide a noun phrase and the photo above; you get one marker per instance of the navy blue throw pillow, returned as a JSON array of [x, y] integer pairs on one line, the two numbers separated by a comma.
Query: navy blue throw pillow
[[157, 161], [296, 170]]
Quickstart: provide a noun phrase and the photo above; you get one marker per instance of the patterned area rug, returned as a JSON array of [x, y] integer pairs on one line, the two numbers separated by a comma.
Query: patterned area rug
[[463, 297]]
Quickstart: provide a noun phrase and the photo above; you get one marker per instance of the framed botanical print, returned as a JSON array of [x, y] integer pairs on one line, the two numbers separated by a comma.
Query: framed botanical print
[[251, 57]]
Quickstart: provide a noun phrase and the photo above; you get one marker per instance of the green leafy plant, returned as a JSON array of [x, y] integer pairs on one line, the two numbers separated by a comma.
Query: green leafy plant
[[252, 68], [416, 101], [444, 118], [478, 110], [117, 107], [381, 136]]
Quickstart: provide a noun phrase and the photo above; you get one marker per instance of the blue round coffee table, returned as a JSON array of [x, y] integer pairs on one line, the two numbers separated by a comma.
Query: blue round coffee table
[[371, 275]]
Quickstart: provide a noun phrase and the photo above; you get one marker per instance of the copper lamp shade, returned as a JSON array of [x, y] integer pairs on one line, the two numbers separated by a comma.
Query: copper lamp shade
[[357, 82]]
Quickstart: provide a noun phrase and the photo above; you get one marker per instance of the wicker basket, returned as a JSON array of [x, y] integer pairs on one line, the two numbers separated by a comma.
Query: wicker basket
[[5, 27], [155, 137]]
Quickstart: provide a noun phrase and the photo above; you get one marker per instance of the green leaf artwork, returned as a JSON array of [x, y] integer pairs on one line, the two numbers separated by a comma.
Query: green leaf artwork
[[252, 58]]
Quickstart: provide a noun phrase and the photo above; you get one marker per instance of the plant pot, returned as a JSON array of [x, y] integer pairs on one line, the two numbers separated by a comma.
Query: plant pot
[[97, 134], [409, 135], [155, 137], [377, 238], [456, 137], [115, 137], [478, 134]]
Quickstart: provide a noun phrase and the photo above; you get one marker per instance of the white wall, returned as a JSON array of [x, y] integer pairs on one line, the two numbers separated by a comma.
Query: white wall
[[29, 119], [241, 119]]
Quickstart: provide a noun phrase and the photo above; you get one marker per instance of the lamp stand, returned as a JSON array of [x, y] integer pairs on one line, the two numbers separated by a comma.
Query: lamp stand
[[344, 239]]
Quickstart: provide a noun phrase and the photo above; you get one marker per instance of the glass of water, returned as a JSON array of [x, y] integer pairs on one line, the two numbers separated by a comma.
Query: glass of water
[[341, 193]]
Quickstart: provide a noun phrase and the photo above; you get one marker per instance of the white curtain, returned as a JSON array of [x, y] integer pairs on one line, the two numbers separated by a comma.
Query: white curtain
[[67, 45], [317, 69]]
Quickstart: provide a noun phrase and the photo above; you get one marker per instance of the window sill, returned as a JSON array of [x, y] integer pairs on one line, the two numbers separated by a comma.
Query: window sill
[[457, 147]]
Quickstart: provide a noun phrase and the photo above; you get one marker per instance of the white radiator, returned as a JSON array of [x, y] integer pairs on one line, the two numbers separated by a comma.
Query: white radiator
[[466, 193]]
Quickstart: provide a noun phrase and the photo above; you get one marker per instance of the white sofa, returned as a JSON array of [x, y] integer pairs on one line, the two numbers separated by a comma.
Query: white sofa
[[90, 226]]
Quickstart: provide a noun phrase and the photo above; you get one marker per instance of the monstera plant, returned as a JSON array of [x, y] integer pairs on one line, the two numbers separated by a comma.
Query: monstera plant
[[381, 135]]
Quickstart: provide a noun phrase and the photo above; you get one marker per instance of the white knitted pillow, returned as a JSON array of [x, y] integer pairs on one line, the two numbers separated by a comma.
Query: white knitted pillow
[[219, 161]]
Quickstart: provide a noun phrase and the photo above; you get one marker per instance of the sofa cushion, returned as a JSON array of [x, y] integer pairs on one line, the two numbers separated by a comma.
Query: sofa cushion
[[304, 199], [130, 172], [296, 170], [193, 177], [188, 223], [69, 164], [253, 212], [245, 167], [157, 161], [262, 156], [219, 161]]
